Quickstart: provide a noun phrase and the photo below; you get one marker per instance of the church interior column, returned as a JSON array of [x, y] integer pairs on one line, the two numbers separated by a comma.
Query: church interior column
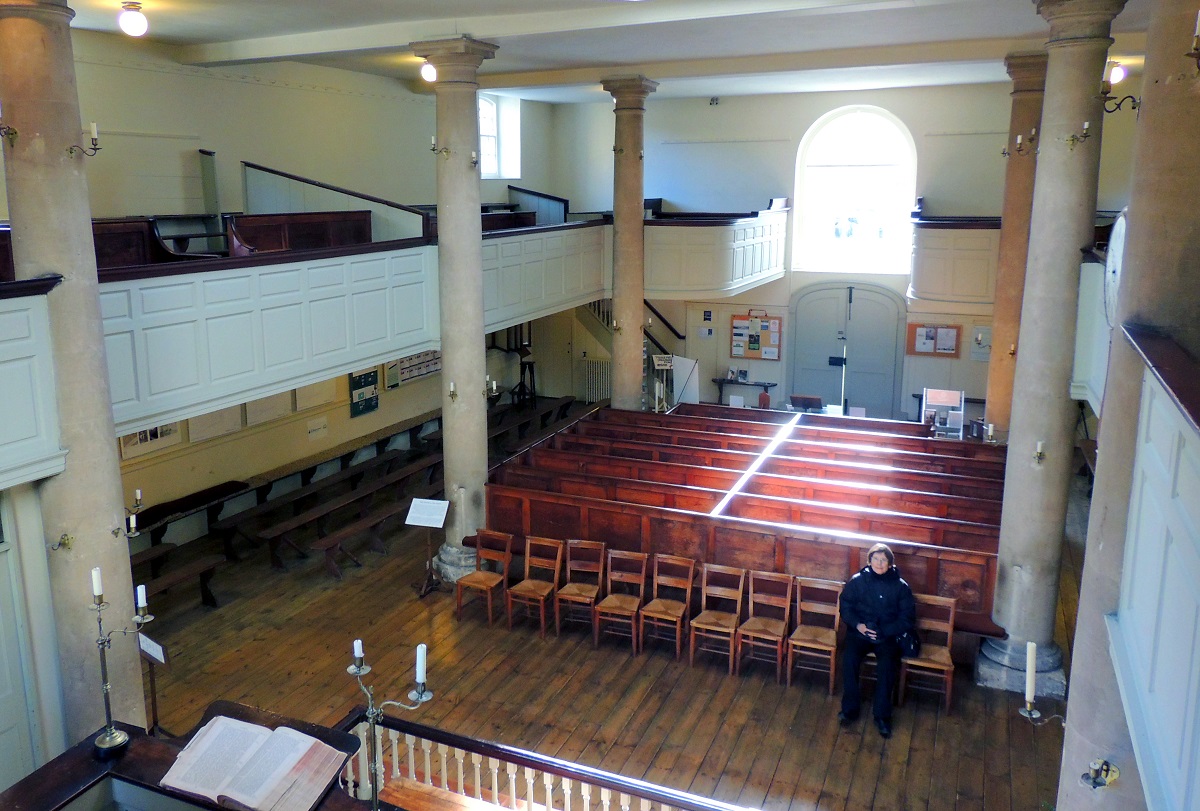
[[1028, 72], [1159, 287], [460, 288], [1041, 435], [51, 234], [630, 94]]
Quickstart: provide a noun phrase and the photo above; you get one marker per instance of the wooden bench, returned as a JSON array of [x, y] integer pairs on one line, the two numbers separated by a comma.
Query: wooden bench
[[248, 234], [156, 518], [371, 522], [282, 532], [202, 568], [505, 420]]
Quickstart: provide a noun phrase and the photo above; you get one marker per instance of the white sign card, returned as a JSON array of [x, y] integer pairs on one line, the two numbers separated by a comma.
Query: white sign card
[[427, 512], [151, 649]]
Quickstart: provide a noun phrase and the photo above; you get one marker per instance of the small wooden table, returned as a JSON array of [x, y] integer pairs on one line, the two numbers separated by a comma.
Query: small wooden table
[[722, 382]]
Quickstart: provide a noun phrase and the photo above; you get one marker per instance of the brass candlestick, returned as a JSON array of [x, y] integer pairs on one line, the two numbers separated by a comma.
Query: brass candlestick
[[111, 741]]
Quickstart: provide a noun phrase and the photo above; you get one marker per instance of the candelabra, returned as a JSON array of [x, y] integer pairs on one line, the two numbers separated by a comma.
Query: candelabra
[[131, 514], [1024, 147], [418, 696], [71, 150], [112, 740], [1073, 139]]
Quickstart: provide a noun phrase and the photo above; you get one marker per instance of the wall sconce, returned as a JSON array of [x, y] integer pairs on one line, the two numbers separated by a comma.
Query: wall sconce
[[1074, 139], [1114, 72], [474, 159], [453, 393], [71, 150], [616, 327], [433, 147], [979, 341], [1024, 146], [490, 389], [131, 530], [9, 133], [1100, 774], [131, 19], [1039, 453], [428, 72], [1194, 53]]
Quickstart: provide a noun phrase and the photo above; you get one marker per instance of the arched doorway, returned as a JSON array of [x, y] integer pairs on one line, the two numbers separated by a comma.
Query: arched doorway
[[848, 346]]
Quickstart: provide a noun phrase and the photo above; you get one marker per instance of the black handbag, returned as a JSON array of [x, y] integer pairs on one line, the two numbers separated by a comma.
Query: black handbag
[[909, 644]]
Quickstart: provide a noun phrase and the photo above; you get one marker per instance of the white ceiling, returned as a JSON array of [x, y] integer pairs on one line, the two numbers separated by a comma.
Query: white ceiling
[[558, 50]]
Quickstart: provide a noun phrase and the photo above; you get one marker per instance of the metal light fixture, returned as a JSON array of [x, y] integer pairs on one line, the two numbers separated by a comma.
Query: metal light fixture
[[1114, 72], [428, 72], [131, 19]]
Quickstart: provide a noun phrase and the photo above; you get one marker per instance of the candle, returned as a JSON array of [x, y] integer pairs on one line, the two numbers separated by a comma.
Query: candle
[[141, 596], [452, 387], [1041, 446], [358, 649], [421, 663], [433, 141], [95, 132], [990, 428], [1018, 140], [137, 495], [1197, 34], [1030, 671], [1086, 124], [493, 387], [1033, 132], [133, 523], [474, 156], [97, 587]]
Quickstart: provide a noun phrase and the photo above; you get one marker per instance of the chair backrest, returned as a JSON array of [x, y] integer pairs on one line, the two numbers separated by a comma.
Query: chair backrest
[[935, 618], [627, 572], [771, 595], [674, 575], [543, 555], [720, 586], [491, 545], [585, 562], [818, 602]]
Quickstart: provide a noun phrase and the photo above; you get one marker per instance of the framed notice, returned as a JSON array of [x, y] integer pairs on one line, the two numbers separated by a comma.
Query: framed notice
[[150, 439], [364, 392], [934, 340], [755, 336]]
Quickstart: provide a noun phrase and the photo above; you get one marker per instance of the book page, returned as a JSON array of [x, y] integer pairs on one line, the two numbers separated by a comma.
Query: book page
[[262, 774], [213, 756], [310, 778]]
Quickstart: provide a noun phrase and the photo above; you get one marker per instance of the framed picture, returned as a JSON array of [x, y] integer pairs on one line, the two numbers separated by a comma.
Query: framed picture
[[743, 375], [150, 440]]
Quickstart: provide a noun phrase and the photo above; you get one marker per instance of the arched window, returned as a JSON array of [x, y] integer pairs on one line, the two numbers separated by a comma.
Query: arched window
[[856, 177]]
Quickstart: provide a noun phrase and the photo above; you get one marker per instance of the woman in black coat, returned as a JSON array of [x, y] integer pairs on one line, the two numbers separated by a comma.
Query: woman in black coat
[[877, 607]]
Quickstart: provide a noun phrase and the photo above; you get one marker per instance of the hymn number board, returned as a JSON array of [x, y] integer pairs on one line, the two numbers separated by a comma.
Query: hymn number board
[[756, 336]]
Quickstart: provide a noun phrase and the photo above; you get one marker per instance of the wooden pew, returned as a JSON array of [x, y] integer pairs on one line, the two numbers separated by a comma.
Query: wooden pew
[[124, 241], [257, 233], [921, 528], [904, 427], [201, 568], [969, 576], [395, 482], [585, 472]]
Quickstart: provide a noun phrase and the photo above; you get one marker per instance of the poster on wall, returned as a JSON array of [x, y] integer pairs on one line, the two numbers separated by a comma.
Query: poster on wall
[[755, 336], [364, 392], [934, 340]]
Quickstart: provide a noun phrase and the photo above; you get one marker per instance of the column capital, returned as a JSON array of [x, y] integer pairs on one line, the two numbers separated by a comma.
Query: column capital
[[35, 10], [627, 89], [1027, 71], [1079, 19], [458, 59]]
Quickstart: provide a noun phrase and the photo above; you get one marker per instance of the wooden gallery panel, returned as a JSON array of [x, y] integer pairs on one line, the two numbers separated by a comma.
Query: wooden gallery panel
[[617, 527], [554, 519], [966, 580], [685, 537], [746, 549], [505, 512], [819, 557]]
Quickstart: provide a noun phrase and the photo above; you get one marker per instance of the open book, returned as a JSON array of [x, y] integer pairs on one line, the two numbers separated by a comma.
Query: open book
[[240, 765]]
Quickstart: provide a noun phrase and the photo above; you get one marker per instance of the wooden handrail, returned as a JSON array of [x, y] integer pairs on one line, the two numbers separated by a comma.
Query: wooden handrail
[[38, 286], [560, 768]]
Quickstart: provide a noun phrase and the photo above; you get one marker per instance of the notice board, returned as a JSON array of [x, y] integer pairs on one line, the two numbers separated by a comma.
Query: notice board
[[934, 340], [756, 336]]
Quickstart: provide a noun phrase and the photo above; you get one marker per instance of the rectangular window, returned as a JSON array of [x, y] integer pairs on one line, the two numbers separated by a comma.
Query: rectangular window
[[499, 137]]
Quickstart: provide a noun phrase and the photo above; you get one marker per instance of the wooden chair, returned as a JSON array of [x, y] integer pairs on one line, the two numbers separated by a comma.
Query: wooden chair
[[585, 564], [767, 628], [721, 591], [625, 583], [933, 669], [493, 549], [813, 645], [543, 556], [673, 578]]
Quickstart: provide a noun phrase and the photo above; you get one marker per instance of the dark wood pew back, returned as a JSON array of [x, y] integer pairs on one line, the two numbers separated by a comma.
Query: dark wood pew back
[[256, 233]]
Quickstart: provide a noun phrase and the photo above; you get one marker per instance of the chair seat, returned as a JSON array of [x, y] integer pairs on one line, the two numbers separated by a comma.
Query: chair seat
[[532, 589], [933, 657], [763, 627], [663, 608], [715, 621], [480, 580], [619, 603], [808, 636], [579, 592]]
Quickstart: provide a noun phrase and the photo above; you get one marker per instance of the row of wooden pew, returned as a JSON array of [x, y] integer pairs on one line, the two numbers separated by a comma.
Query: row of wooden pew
[[790, 622], [768, 491]]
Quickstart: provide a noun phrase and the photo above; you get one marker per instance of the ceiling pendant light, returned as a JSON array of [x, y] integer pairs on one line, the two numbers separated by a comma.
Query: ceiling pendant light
[[428, 72], [131, 19]]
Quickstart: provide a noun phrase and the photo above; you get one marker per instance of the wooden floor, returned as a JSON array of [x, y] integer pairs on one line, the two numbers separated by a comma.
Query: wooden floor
[[281, 641]]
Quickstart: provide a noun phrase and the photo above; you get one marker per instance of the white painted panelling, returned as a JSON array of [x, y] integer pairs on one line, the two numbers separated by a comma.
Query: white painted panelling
[[29, 429], [1156, 632], [1092, 338], [955, 265], [713, 261]]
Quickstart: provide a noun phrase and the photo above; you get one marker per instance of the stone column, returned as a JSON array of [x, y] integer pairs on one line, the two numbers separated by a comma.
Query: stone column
[[460, 289], [51, 233], [1028, 72], [1043, 414], [629, 260], [1159, 287]]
